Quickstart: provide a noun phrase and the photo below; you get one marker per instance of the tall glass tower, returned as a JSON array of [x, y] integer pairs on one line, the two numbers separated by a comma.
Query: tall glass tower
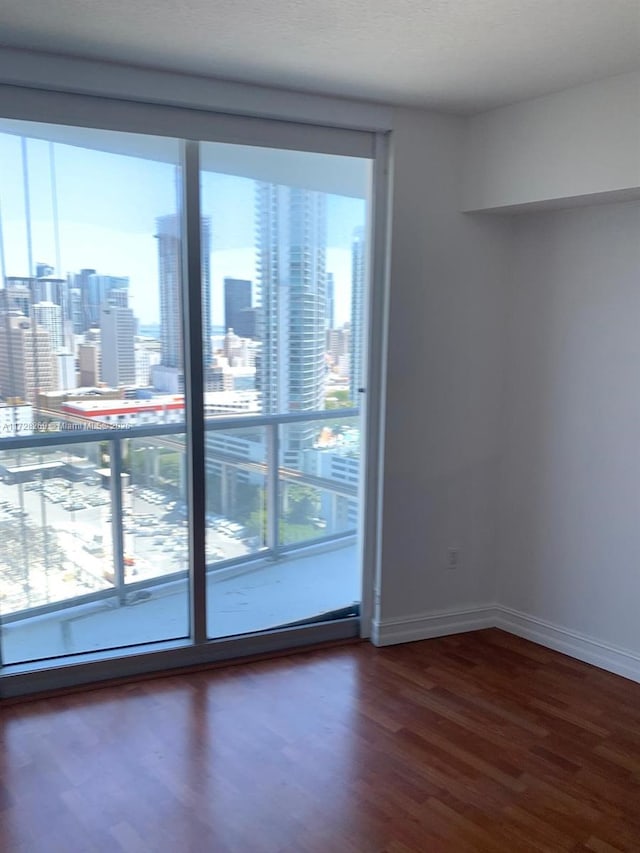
[[291, 251], [170, 280], [358, 261]]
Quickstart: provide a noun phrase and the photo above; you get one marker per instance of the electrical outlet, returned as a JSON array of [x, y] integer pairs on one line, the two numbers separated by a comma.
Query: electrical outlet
[[453, 558]]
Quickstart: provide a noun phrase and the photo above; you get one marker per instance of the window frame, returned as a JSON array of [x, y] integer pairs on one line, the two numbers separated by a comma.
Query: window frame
[[197, 125]]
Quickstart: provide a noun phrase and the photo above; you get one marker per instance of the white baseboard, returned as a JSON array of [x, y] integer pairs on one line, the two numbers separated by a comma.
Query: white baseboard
[[424, 626], [611, 658]]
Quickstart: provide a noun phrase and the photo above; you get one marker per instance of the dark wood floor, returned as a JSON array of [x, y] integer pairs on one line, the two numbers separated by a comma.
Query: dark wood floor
[[479, 742]]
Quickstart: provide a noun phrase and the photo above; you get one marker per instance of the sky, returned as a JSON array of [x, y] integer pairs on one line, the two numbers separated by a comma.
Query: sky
[[108, 203]]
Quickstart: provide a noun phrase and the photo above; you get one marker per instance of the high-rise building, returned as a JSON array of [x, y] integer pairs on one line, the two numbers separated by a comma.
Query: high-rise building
[[81, 283], [205, 283], [339, 349], [22, 292], [170, 278], [97, 293], [147, 355], [75, 310], [16, 419], [118, 296], [93, 291], [291, 246], [89, 364], [247, 323], [66, 370], [52, 289], [49, 316], [27, 360], [170, 281], [358, 273], [117, 326], [237, 302], [43, 270], [16, 296], [24, 280], [330, 316]]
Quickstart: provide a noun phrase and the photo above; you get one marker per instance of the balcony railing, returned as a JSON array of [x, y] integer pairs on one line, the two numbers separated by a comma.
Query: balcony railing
[[113, 523]]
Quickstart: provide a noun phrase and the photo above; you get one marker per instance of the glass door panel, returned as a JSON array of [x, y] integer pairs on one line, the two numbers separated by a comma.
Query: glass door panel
[[236, 477], [319, 487], [237, 522], [284, 270], [90, 342]]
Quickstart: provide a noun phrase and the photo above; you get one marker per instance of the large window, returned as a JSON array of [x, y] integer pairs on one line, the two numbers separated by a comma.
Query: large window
[[158, 486], [89, 307]]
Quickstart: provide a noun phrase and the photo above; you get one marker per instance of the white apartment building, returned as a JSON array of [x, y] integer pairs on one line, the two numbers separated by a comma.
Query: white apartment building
[[117, 326]]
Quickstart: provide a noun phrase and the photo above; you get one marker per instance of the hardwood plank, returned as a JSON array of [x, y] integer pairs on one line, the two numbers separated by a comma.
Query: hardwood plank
[[477, 743]]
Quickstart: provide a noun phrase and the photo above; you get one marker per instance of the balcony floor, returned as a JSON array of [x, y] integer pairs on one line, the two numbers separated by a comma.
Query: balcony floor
[[241, 600]]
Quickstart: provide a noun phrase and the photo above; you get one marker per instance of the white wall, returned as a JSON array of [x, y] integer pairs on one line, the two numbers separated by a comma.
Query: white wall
[[569, 508], [444, 381], [513, 419], [581, 143]]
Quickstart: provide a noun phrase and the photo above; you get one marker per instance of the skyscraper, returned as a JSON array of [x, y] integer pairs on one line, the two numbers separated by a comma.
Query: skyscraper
[[97, 293], [117, 296], [75, 310], [16, 296], [43, 270], [239, 314], [291, 247], [66, 362], [147, 356], [52, 289], [49, 316], [170, 279], [27, 361], [330, 315], [358, 267], [117, 328], [247, 323], [89, 363], [81, 283]]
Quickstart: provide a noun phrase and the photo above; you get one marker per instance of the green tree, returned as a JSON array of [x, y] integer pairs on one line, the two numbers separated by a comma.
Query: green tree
[[303, 503], [338, 399]]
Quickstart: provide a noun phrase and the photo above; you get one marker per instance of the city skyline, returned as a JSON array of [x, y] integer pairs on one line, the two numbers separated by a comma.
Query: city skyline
[[101, 230], [56, 321], [267, 273]]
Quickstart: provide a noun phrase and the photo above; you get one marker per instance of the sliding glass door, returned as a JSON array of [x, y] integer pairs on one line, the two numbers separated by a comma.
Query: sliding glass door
[[283, 273], [182, 353], [92, 452]]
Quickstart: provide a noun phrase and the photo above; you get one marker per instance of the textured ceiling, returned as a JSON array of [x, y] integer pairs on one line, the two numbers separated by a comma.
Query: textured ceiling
[[458, 55]]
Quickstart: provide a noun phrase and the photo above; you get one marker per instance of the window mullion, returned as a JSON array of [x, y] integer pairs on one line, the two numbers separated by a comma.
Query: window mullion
[[273, 490], [117, 518], [194, 384]]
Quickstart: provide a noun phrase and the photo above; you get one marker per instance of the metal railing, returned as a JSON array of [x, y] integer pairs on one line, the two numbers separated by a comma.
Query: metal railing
[[165, 434]]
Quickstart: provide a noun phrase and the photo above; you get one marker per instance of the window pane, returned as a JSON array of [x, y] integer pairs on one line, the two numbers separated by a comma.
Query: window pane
[[236, 493], [284, 267], [155, 515], [319, 489], [55, 521], [90, 339]]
